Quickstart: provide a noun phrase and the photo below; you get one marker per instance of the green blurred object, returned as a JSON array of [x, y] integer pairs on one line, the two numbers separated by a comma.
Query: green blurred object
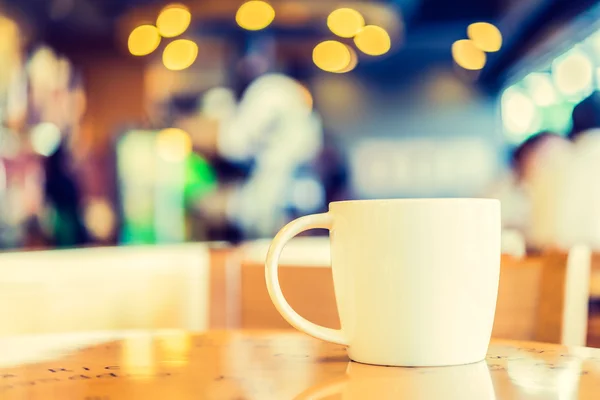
[[156, 193], [200, 178]]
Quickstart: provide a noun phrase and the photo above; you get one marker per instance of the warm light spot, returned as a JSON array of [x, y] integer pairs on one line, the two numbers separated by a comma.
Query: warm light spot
[[45, 138], [373, 40], [353, 61], [143, 40], [345, 22], [485, 36], [173, 20], [467, 55], [331, 56], [573, 73], [180, 54], [255, 15], [99, 219], [173, 145]]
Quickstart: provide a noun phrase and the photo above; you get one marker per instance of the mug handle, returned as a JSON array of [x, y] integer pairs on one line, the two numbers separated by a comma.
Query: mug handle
[[323, 221]]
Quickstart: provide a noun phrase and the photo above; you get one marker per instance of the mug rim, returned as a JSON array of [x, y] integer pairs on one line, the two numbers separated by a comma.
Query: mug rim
[[420, 200]]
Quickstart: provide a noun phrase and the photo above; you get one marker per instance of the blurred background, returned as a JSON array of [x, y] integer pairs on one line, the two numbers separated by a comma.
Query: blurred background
[[142, 122]]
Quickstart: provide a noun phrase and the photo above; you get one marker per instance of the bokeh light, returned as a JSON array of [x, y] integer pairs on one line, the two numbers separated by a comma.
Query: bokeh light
[[331, 56], [99, 219], [520, 115], [573, 73], [10, 50], [345, 22], [45, 138], [143, 40], [373, 40], [173, 20], [353, 61], [485, 36], [173, 144], [255, 15], [541, 89], [467, 55], [180, 54]]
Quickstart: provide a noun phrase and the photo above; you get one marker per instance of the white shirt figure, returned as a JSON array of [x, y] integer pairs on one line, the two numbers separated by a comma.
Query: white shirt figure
[[273, 125], [581, 222], [545, 183]]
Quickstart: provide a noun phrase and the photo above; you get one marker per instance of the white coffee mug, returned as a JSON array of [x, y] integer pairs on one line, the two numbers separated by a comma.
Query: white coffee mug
[[416, 280]]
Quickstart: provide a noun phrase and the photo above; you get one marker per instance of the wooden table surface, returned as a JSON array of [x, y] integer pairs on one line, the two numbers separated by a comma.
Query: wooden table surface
[[234, 365]]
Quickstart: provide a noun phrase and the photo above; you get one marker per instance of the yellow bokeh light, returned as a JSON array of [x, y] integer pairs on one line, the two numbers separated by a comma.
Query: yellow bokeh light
[[345, 22], [373, 40], [173, 144], [353, 61], [485, 36], [331, 56], [467, 55], [173, 20], [255, 15], [143, 40], [180, 54]]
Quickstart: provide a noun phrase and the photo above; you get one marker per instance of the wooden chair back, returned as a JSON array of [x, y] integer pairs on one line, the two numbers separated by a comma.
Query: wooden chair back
[[542, 298]]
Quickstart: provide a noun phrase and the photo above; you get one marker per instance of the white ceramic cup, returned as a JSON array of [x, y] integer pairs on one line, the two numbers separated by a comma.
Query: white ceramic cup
[[415, 280]]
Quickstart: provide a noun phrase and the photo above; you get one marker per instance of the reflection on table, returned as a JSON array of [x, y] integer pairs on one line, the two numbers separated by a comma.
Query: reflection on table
[[277, 365]]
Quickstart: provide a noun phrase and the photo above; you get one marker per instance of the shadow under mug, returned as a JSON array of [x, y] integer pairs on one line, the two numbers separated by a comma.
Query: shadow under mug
[[471, 381], [416, 280]]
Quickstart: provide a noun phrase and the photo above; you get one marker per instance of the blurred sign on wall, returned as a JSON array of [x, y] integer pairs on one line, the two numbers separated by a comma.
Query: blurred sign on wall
[[382, 168]]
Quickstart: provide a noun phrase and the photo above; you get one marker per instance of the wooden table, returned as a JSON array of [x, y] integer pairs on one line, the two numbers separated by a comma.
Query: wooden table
[[278, 365]]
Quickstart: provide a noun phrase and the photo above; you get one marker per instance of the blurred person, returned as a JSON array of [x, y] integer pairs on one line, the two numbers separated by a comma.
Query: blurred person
[[64, 198], [275, 133], [542, 165], [582, 221], [533, 193], [55, 102]]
